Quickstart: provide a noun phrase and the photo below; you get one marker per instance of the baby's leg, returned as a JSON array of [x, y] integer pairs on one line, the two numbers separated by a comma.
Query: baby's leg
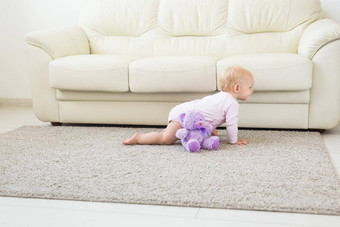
[[167, 136]]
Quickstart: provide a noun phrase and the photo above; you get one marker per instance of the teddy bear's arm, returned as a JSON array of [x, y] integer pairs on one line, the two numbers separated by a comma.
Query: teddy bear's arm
[[181, 133], [209, 128]]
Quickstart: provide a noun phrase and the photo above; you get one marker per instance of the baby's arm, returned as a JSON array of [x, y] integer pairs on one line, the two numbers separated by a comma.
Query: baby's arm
[[232, 125], [232, 136], [232, 131], [181, 133], [209, 129]]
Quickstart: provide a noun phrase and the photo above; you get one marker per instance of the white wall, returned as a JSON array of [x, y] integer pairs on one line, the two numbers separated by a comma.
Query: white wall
[[332, 7], [17, 17]]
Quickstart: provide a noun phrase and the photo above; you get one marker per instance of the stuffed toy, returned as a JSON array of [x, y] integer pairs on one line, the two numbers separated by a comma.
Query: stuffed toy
[[195, 132]]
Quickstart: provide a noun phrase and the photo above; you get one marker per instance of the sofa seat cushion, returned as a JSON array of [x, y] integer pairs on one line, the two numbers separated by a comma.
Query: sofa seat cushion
[[274, 72], [173, 74], [91, 73]]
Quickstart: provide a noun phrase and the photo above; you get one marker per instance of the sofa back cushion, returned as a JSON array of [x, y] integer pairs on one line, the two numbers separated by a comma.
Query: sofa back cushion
[[254, 16], [192, 27], [193, 17], [120, 17], [256, 26], [216, 28], [119, 26]]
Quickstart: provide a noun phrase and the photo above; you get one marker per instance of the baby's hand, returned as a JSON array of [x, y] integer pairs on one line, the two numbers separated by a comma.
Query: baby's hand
[[241, 142], [214, 132]]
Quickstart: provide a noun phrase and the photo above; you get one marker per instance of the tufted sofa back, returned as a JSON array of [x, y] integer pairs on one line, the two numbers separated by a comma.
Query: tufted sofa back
[[217, 28], [268, 26]]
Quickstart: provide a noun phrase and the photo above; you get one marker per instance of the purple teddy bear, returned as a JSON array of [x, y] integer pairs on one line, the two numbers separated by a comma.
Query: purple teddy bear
[[195, 132]]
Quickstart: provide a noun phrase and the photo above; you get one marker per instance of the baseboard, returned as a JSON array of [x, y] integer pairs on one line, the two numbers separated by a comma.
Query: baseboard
[[16, 101]]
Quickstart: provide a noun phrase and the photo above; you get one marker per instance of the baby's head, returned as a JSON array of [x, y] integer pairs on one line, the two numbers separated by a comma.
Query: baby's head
[[238, 81]]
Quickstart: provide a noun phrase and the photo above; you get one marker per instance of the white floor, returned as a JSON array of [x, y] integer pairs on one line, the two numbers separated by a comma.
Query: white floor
[[16, 212]]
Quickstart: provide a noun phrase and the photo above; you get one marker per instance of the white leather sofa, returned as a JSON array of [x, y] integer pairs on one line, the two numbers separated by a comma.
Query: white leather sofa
[[131, 61]]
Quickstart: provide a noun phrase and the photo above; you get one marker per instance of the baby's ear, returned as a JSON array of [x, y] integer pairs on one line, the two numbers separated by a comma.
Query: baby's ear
[[181, 117], [236, 88]]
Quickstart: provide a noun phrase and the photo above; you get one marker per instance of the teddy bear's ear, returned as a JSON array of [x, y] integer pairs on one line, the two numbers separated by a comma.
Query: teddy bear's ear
[[181, 117]]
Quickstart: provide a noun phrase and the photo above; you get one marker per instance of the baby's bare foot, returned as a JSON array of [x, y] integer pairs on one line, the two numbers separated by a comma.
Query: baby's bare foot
[[132, 140]]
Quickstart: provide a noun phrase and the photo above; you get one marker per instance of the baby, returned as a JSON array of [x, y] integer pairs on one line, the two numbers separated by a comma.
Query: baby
[[236, 84]]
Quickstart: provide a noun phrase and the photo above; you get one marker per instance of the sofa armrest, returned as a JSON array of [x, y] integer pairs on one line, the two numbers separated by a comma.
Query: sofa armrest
[[60, 42], [317, 35], [324, 106]]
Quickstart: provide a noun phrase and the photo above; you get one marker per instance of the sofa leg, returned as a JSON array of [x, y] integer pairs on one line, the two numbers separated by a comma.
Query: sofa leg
[[56, 123]]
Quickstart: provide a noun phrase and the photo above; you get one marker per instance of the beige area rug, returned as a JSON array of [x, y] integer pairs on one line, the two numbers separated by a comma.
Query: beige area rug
[[287, 171]]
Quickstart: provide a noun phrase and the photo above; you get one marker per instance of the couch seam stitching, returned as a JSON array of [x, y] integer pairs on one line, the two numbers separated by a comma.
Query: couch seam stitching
[[322, 45], [290, 3]]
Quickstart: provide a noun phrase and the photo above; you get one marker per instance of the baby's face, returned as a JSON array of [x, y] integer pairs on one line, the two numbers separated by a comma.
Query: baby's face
[[246, 88]]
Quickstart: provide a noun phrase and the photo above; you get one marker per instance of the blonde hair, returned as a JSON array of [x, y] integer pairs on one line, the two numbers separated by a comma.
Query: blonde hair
[[231, 75]]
